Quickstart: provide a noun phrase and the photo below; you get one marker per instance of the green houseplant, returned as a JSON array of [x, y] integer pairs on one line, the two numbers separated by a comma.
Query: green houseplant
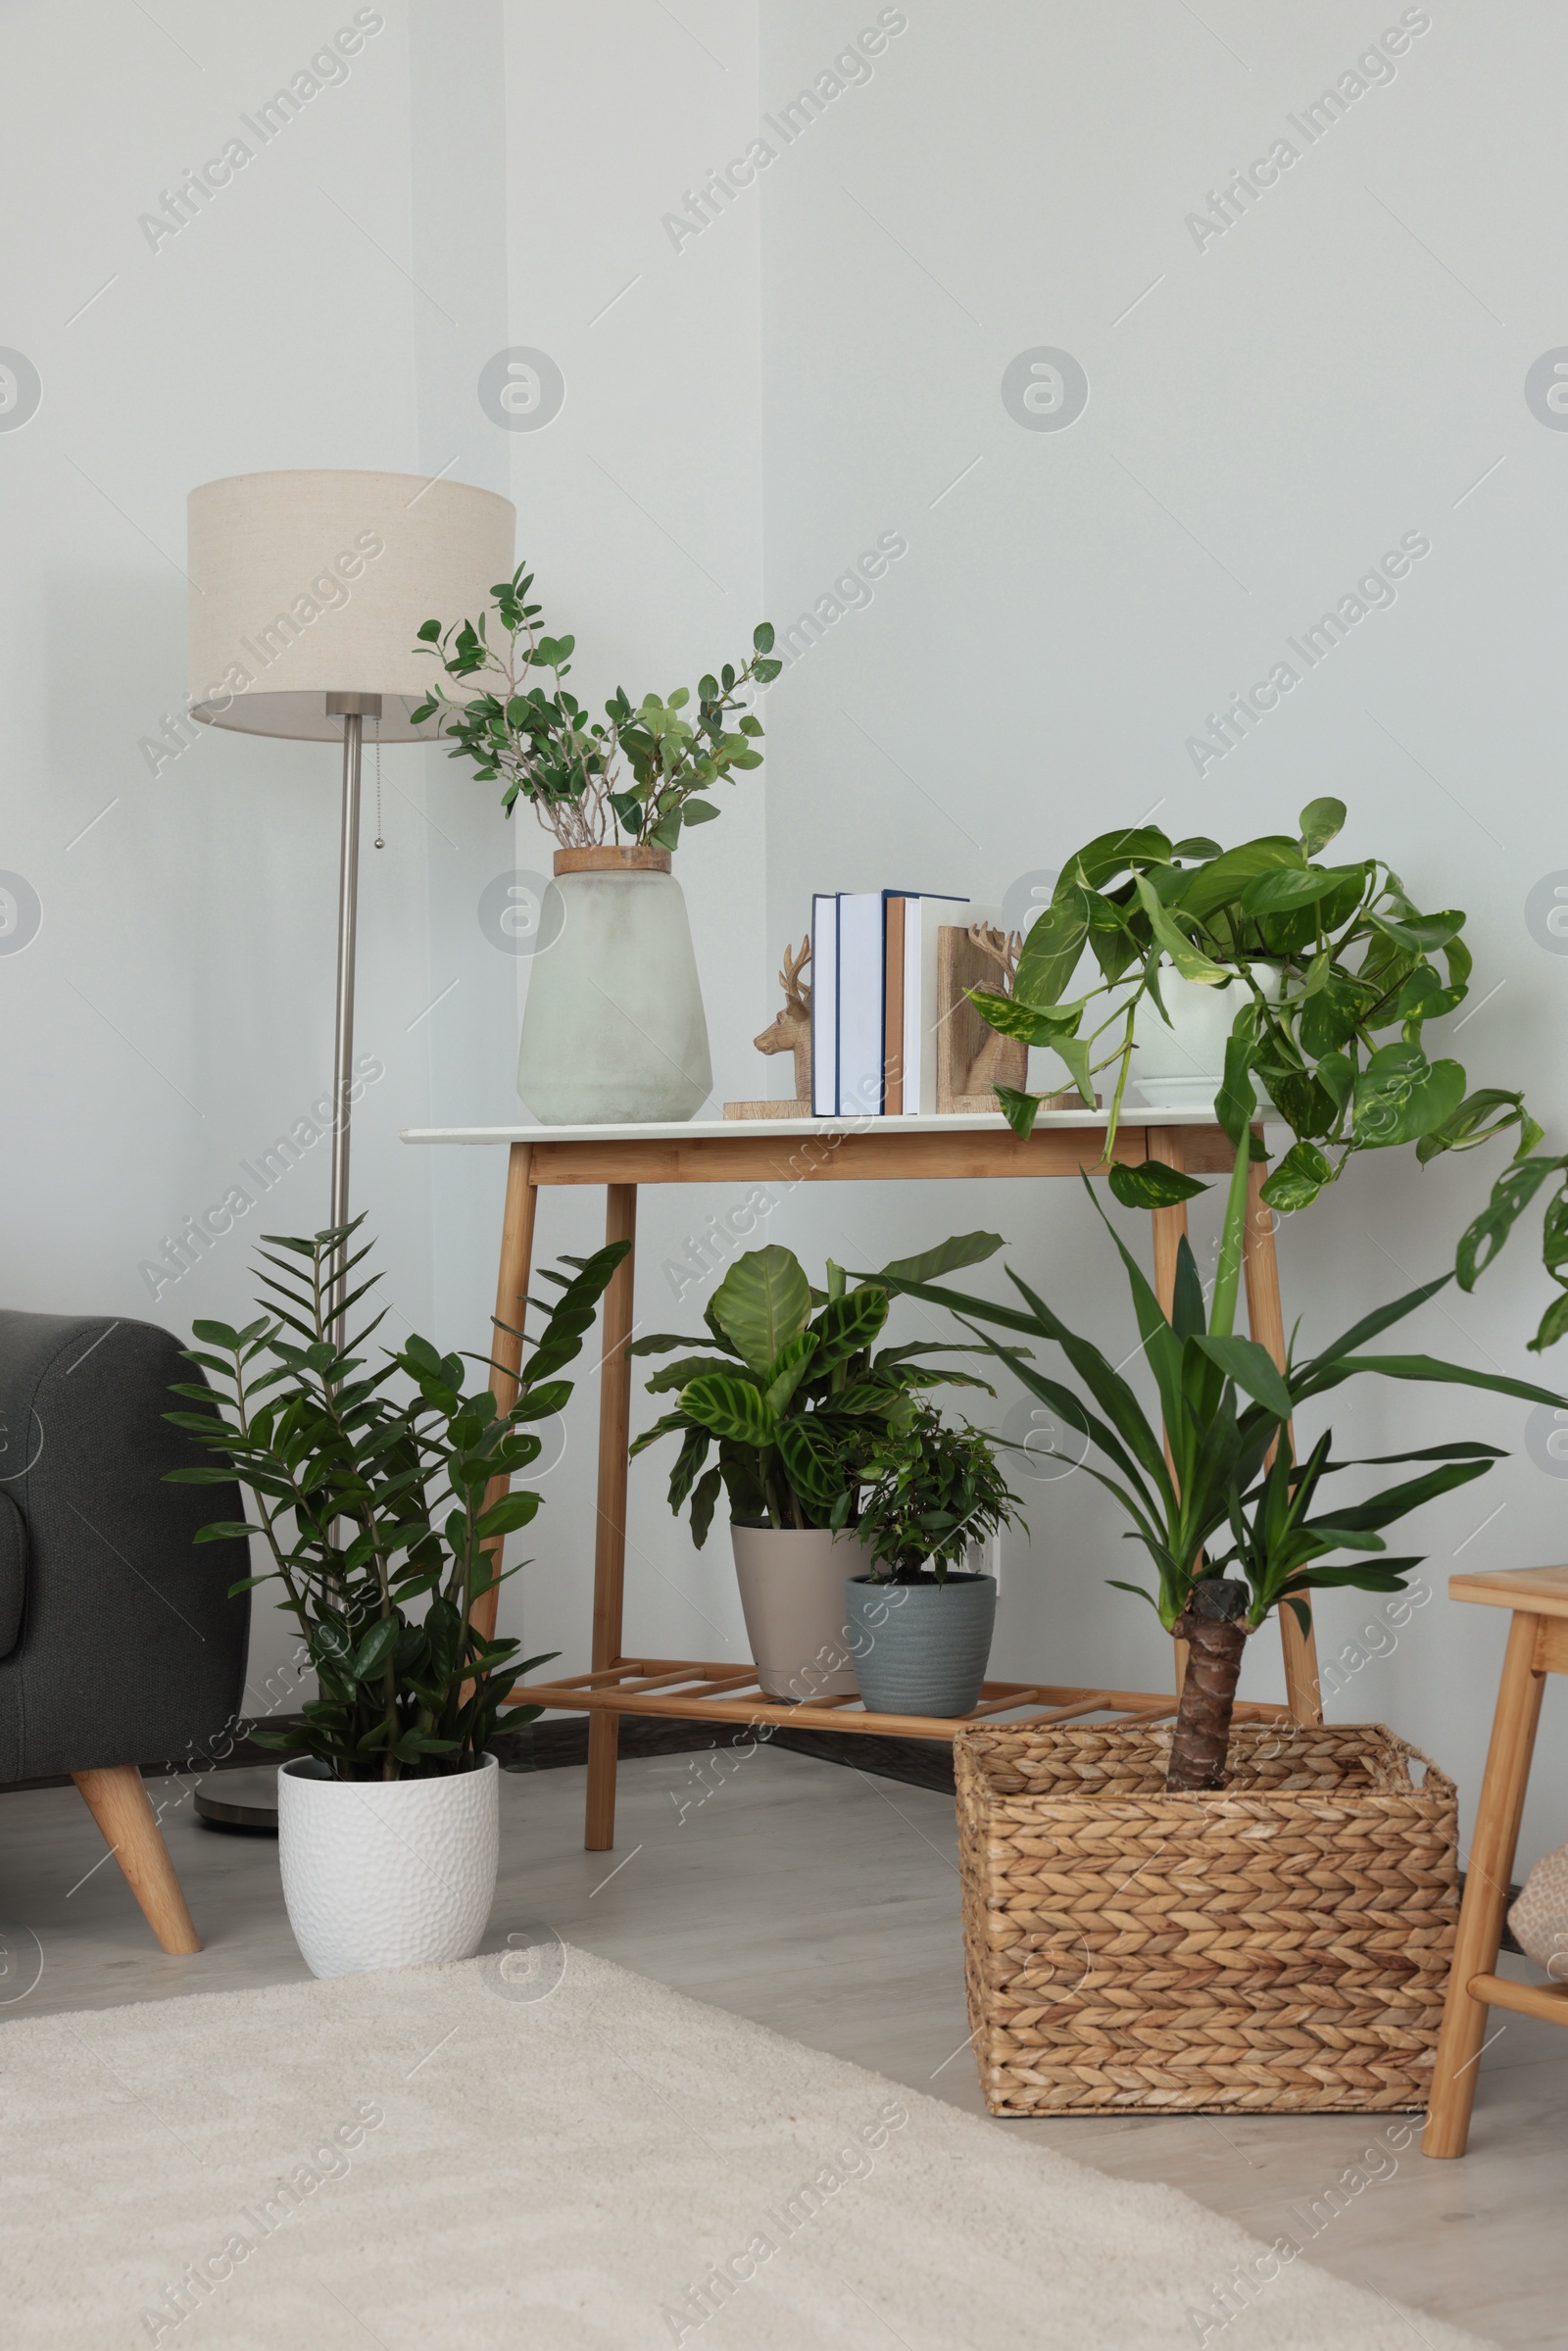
[[613, 1028], [1334, 973], [1223, 1407], [793, 1399], [937, 1489], [641, 770], [369, 1489]]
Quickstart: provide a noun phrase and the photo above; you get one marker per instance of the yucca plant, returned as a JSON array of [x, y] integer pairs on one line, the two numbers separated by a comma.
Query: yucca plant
[[369, 1492], [1224, 1409]]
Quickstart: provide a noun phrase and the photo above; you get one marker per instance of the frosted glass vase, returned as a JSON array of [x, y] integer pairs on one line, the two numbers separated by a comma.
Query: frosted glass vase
[[613, 1030]]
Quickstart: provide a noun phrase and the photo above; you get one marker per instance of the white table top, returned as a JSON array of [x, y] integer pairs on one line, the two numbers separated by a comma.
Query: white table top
[[698, 1129]]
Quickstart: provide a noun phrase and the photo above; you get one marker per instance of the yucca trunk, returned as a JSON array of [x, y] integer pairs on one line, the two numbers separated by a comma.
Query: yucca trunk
[[1215, 1639]]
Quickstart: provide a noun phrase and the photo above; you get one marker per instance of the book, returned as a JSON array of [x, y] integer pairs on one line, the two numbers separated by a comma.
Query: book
[[894, 1058], [824, 1006], [862, 983], [914, 920]]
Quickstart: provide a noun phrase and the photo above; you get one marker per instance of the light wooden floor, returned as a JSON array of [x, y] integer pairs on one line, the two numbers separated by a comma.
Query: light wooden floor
[[824, 1903]]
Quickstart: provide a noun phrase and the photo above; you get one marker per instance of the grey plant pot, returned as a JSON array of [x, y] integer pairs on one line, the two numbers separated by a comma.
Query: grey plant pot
[[921, 1648]]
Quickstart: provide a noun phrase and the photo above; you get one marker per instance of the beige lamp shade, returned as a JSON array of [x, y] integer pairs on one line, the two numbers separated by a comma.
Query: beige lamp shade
[[305, 585]]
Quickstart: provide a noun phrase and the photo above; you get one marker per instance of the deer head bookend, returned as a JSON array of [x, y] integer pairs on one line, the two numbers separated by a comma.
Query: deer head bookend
[[791, 1030]]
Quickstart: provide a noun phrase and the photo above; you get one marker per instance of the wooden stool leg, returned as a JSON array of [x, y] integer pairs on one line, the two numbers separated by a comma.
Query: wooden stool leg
[[1486, 1889], [609, 1547], [506, 1347], [120, 1805], [1265, 1319]]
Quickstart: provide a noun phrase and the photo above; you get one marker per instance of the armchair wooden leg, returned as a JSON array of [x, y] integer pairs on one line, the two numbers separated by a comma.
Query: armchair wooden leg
[[120, 1805], [1486, 1889]]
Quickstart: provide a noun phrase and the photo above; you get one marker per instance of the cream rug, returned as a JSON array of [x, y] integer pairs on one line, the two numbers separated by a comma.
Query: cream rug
[[554, 2153]]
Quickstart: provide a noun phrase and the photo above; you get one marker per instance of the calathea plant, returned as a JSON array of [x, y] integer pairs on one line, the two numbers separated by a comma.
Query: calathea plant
[[935, 1491], [369, 1493], [1224, 1410], [790, 1390], [641, 770], [1341, 973]]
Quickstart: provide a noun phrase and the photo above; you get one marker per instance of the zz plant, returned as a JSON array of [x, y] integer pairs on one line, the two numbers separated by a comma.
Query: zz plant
[[1340, 973], [369, 1489], [641, 770], [790, 1392], [1225, 1408]]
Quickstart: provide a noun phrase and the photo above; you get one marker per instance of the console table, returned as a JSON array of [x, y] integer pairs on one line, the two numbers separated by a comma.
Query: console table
[[781, 1152]]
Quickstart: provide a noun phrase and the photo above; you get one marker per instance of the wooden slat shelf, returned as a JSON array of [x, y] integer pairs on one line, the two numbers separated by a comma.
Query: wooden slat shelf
[[692, 1691]]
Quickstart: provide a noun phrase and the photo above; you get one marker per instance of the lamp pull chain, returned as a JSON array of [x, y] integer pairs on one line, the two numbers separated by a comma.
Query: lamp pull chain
[[380, 840]]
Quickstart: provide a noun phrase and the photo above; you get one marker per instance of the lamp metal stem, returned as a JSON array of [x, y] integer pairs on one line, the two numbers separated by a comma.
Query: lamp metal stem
[[343, 1029]]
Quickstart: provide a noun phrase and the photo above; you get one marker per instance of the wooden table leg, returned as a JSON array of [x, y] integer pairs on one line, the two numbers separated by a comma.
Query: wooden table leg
[[1170, 1231], [1265, 1319], [118, 1802], [1486, 1888], [610, 1545], [506, 1347]]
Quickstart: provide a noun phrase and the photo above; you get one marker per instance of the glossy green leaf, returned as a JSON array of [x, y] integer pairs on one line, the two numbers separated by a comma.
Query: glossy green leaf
[[1321, 820], [764, 1301], [1150, 1185]]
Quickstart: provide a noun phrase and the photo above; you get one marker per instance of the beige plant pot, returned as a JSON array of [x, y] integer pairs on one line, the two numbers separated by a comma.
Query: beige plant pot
[[791, 1596]]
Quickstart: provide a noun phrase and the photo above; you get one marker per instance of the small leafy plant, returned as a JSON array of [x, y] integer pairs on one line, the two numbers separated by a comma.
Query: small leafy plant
[[1335, 1038], [937, 1489], [790, 1392], [641, 770], [1225, 1410], [369, 1489]]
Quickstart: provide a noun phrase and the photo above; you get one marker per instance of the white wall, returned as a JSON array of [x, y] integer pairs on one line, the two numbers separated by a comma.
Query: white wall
[[746, 409], [1281, 404]]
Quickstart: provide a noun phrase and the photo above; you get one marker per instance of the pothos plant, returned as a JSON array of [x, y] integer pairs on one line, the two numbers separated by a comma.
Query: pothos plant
[[790, 1390], [643, 771], [1214, 1460], [369, 1489], [1339, 972]]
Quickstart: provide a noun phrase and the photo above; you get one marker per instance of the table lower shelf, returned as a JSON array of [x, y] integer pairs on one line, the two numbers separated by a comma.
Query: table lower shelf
[[688, 1689]]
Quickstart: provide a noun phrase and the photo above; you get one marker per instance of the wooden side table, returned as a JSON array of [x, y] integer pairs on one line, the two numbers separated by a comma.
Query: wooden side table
[[780, 1153], [1537, 1646]]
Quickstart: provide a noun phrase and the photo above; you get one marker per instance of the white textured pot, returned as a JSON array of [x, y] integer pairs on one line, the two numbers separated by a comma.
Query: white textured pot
[[792, 1598], [387, 1873], [1181, 1068], [613, 1029]]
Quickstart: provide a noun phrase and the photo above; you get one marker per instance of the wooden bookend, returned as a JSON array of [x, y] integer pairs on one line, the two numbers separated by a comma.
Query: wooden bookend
[[795, 1109], [971, 1058]]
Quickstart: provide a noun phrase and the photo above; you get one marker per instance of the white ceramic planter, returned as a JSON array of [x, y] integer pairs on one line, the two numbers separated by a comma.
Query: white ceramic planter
[[387, 1873], [613, 1029], [791, 1596], [1181, 1068]]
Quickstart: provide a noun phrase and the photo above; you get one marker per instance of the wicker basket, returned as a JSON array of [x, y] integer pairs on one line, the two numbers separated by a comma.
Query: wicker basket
[[1279, 1947]]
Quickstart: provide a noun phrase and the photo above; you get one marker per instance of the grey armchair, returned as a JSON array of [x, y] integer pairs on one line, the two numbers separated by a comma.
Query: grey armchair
[[119, 1645]]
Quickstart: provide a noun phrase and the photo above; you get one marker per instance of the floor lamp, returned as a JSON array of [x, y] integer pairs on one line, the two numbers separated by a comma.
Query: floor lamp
[[306, 593]]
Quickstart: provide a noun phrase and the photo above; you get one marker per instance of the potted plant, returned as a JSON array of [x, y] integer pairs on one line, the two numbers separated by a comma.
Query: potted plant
[[1225, 1410], [1327, 974], [922, 1647], [795, 1403], [372, 1494], [614, 1027], [1205, 1919]]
